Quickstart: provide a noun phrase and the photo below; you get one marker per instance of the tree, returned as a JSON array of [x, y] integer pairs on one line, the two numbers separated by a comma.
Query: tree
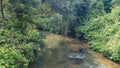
[[21, 38], [2, 12]]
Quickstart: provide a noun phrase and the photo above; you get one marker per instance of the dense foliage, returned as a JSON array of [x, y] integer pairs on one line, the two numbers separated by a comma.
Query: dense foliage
[[65, 14], [21, 21], [19, 37], [103, 31]]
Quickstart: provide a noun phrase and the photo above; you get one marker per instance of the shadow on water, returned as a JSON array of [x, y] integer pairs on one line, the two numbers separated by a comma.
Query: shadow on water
[[52, 57], [58, 58]]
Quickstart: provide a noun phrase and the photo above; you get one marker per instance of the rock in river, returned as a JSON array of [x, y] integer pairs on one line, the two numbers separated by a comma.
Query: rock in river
[[76, 58]]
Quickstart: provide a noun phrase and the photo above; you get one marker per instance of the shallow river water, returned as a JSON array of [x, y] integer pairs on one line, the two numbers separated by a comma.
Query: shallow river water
[[59, 49]]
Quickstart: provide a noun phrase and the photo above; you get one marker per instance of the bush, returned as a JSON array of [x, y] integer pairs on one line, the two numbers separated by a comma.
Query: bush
[[103, 33]]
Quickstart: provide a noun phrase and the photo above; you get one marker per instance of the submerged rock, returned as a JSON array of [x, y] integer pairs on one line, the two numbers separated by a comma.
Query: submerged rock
[[75, 56], [101, 66]]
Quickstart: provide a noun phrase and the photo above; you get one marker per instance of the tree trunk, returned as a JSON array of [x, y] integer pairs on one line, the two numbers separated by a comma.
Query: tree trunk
[[2, 12]]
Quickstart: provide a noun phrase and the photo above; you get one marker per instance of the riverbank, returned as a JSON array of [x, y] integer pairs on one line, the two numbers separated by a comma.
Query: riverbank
[[58, 47]]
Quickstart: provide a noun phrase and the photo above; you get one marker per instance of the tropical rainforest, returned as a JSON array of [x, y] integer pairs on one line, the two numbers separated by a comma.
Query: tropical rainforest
[[23, 23]]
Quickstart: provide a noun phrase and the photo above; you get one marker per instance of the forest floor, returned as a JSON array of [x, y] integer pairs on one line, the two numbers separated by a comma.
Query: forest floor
[[58, 49]]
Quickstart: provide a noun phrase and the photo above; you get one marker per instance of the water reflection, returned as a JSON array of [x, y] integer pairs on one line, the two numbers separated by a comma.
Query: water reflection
[[59, 57], [86, 60]]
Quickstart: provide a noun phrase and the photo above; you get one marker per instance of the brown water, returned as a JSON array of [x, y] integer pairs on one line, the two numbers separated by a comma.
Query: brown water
[[55, 55]]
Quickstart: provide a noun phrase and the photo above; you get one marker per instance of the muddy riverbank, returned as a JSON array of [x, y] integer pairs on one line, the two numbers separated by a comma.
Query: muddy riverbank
[[57, 51]]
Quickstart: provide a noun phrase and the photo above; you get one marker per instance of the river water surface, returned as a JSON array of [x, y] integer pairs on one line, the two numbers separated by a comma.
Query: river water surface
[[57, 51]]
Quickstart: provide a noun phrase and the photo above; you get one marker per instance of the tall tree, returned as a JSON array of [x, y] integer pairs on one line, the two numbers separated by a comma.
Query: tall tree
[[2, 12]]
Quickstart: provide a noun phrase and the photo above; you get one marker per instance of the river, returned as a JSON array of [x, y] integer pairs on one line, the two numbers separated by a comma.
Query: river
[[57, 51]]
